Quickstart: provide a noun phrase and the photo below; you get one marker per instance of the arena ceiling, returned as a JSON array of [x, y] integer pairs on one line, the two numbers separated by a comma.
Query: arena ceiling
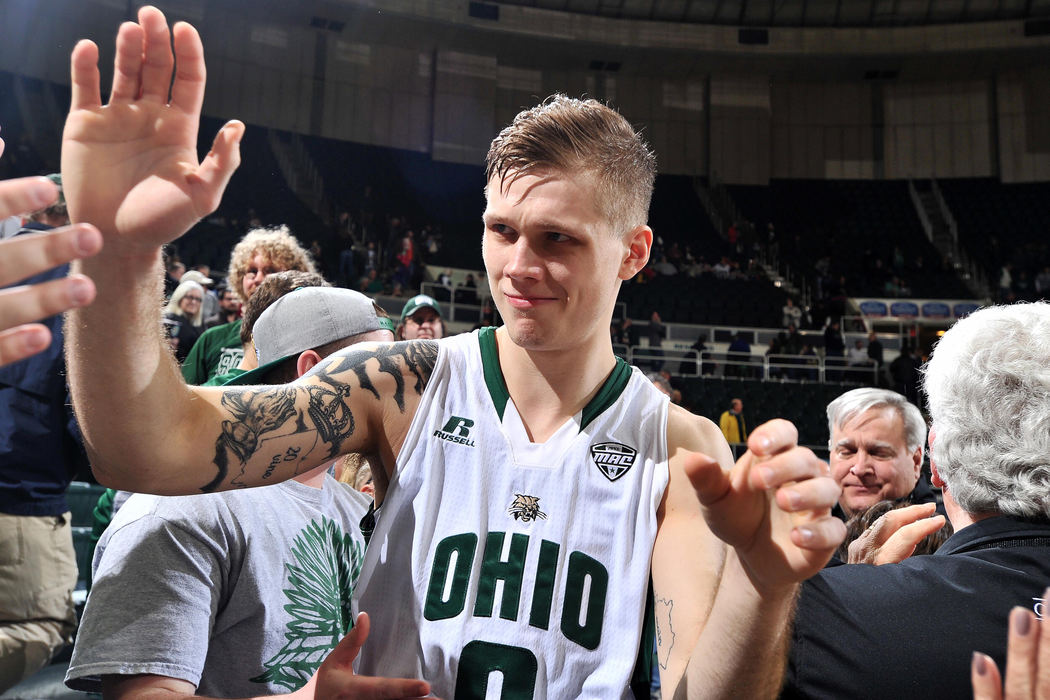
[[800, 13], [552, 43]]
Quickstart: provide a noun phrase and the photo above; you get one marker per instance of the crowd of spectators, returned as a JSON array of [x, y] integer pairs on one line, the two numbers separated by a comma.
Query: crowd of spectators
[[984, 512]]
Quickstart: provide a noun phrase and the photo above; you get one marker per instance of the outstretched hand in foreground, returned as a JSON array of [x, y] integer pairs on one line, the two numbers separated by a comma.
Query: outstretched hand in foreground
[[894, 536], [336, 680], [28, 255], [774, 506]]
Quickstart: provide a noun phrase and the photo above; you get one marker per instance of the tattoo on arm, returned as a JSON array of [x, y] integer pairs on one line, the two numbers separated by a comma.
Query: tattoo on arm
[[417, 357], [255, 412], [258, 414], [664, 632]]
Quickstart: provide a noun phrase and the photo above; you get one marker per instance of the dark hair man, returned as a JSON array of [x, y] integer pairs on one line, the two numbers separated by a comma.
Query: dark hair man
[[532, 436]]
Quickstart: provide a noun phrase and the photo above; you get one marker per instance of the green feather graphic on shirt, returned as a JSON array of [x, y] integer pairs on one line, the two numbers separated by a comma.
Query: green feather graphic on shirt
[[322, 579]]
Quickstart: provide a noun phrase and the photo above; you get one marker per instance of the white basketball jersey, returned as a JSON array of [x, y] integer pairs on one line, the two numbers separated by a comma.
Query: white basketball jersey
[[501, 568]]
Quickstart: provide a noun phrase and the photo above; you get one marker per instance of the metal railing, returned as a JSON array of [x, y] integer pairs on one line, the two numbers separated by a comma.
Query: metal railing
[[740, 365]]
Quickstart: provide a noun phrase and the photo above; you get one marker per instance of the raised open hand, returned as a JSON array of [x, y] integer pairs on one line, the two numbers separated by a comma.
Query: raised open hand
[[130, 167], [773, 507]]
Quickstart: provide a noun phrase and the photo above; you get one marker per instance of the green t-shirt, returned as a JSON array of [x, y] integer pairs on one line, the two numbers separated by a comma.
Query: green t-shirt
[[217, 351], [221, 379]]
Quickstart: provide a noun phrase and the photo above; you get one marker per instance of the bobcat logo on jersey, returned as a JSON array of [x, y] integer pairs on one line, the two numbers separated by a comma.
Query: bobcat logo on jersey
[[613, 459], [526, 508]]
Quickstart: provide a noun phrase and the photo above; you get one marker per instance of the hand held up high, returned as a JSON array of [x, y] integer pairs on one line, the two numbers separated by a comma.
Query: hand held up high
[[130, 167]]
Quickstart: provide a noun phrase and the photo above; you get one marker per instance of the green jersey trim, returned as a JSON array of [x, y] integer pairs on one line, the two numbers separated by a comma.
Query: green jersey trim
[[493, 374], [608, 394], [497, 386]]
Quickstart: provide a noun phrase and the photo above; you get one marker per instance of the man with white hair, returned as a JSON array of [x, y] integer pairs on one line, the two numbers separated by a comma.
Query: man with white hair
[[876, 449], [909, 630]]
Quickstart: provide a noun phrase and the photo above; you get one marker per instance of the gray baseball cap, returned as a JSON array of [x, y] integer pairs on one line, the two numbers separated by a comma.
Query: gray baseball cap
[[307, 318]]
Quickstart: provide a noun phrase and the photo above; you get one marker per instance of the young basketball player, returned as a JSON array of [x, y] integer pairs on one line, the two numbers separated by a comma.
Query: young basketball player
[[530, 483]]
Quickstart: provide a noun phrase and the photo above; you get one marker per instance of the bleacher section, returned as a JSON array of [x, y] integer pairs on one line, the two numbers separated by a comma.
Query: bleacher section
[[411, 186], [705, 300], [257, 186], [1001, 223], [677, 216], [803, 404], [854, 222]]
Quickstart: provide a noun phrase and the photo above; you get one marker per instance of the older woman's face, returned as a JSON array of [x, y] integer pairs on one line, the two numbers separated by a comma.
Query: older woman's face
[[191, 302]]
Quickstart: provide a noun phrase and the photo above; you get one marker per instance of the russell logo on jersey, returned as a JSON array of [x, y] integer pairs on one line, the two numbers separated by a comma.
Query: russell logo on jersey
[[456, 430]]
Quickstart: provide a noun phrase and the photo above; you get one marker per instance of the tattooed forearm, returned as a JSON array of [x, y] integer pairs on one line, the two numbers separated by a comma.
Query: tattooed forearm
[[331, 415], [259, 414], [253, 413]]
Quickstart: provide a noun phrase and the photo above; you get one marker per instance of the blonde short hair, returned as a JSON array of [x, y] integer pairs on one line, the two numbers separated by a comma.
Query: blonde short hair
[[570, 135]]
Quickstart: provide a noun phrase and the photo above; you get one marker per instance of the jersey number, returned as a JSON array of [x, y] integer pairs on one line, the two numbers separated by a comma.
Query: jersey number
[[480, 659]]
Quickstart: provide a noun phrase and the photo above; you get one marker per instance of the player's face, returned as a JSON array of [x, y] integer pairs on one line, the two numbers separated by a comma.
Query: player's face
[[553, 265], [870, 459]]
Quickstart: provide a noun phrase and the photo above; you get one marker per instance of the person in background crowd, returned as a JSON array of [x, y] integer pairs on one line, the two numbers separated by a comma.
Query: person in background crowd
[[210, 305], [791, 314], [876, 446], [183, 318], [875, 354], [732, 423], [175, 271], [421, 318], [260, 253], [229, 309]]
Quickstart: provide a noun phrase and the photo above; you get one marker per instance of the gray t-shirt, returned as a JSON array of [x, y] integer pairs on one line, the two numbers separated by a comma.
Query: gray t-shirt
[[241, 593]]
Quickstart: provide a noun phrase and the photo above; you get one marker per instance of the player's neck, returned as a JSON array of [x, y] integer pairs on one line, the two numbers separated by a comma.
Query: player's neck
[[549, 387]]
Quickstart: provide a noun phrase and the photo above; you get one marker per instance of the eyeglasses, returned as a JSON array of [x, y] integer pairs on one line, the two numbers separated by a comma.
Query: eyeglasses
[[253, 271], [196, 299]]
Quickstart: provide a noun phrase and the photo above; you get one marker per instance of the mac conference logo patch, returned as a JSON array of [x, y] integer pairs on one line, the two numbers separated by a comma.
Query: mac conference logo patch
[[613, 459]]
